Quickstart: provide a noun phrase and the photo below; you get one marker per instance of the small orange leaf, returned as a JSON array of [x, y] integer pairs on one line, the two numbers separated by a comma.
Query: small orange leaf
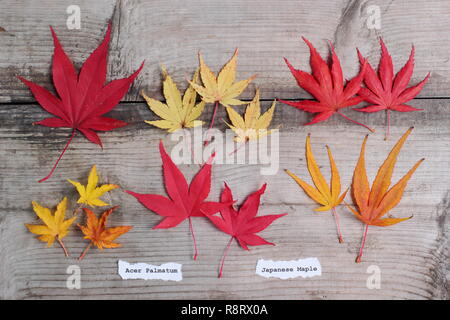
[[373, 204], [96, 231]]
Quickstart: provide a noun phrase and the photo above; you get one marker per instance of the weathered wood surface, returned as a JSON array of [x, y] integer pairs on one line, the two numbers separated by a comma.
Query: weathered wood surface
[[413, 256], [171, 32]]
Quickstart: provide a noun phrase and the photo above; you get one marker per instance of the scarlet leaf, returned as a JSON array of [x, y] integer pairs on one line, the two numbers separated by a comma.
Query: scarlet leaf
[[184, 201], [326, 85], [242, 224], [83, 98], [386, 92]]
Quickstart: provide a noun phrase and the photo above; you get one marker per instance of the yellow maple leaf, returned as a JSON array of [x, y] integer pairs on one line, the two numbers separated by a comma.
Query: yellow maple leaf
[[328, 197], [55, 227], [253, 125], [221, 89], [91, 194], [177, 112]]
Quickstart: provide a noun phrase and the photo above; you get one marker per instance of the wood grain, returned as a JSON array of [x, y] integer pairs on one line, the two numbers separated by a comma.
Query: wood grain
[[264, 30], [413, 256]]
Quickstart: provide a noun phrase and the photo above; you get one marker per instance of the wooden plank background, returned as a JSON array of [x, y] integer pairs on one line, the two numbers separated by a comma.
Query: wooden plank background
[[413, 256]]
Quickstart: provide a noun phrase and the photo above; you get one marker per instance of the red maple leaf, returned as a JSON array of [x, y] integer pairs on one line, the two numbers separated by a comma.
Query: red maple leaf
[[184, 201], [83, 98], [326, 85], [242, 224], [386, 92]]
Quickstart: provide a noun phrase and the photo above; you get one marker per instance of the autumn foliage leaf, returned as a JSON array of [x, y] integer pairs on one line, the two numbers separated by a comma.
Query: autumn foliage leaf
[[253, 125], [328, 196], [372, 204], [90, 194], [242, 224], [222, 88], [177, 112], [82, 98], [96, 231], [386, 91], [184, 201], [55, 226], [326, 85]]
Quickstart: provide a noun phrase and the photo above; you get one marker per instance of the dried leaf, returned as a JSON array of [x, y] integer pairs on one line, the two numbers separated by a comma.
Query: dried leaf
[[322, 193], [253, 125], [242, 224], [55, 227], [326, 85], [176, 113], [96, 231], [386, 91], [83, 98], [90, 194], [372, 204]]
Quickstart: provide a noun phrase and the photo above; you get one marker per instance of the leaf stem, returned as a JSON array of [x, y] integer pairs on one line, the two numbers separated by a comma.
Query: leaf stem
[[358, 258], [85, 251], [388, 124], [63, 246], [60, 156], [222, 261], [211, 124], [338, 225], [359, 123], [238, 148], [193, 238]]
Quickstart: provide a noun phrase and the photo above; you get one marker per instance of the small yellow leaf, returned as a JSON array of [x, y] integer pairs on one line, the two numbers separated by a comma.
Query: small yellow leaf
[[253, 125], [222, 88], [91, 193], [55, 226], [179, 112]]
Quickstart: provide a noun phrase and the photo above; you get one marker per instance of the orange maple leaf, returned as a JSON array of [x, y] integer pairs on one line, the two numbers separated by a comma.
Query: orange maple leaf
[[373, 204], [96, 231]]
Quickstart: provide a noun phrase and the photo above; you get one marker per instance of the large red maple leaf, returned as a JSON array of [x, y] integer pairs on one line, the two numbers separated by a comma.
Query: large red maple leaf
[[326, 85], [184, 202], [386, 91], [83, 98], [242, 224]]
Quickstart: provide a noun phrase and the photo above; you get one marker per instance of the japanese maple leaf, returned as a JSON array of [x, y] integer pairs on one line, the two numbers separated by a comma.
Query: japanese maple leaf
[[386, 91], [242, 224], [90, 194], [184, 202], [253, 124], [328, 197], [96, 231], [177, 113], [326, 85], [372, 204], [222, 88], [83, 98], [55, 227]]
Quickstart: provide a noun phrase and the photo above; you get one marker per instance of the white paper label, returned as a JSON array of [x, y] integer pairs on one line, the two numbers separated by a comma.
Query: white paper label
[[167, 271], [304, 268]]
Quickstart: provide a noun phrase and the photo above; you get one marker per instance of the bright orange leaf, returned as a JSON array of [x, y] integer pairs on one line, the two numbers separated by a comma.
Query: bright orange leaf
[[372, 204], [96, 231]]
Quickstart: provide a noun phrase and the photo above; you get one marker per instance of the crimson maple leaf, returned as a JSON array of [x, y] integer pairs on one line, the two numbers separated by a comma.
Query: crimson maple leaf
[[242, 224], [326, 85], [83, 98], [184, 202], [386, 92]]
